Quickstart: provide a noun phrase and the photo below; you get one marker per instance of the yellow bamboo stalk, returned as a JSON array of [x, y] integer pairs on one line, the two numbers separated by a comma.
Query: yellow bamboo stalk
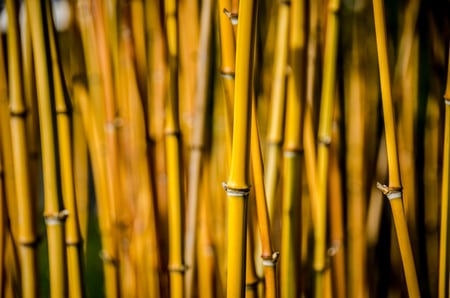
[[53, 207], [324, 139], [337, 250], [27, 236], [268, 255], [74, 243], [92, 131], [443, 251], [173, 159], [157, 87], [205, 251], [137, 18], [227, 65], [251, 278], [237, 186], [29, 91], [188, 26], [355, 188], [292, 156], [200, 127], [406, 76], [394, 190], [145, 219], [277, 101]]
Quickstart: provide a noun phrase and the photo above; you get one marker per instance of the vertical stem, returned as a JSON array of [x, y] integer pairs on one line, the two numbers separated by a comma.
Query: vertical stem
[[268, 256], [278, 102], [27, 237], [237, 186], [443, 247], [174, 158], [393, 191], [200, 126], [54, 217], [324, 139]]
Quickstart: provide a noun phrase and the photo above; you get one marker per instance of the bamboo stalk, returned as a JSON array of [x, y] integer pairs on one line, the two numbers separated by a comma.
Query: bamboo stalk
[[355, 186], [237, 186], [268, 255], [93, 136], [394, 190], [292, 156], [227, 64], [157, 85], [324, 139], [337, 250], [174, 158], [278, 101], [251, 278], [54, 217], [27, 236], [199, 129], [443, 251], [74, 243]]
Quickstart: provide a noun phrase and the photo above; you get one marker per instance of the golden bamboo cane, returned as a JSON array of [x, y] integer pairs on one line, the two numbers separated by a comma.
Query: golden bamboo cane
[[3, 220], [237, 186], [278, 101], [443, 251], [93, 136], [292, 155], [137, 13], [251, 278], [394, 190], [197, 140], [174, 159], [157, 85], [74, 243], [53, 211], [354, 96], [324, 139], [268, 256], [227, 65], [27, 236]]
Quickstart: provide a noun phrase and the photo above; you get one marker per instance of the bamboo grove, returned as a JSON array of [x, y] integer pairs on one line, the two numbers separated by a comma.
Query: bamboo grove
[[225, 148]]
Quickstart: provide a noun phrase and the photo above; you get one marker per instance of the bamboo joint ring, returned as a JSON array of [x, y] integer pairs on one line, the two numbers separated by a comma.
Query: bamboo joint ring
[[390, 192], [236, 192]]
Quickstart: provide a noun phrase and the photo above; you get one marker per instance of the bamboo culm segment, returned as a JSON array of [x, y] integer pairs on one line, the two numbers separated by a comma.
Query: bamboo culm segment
[[393, 192], [237, 186], [268, 256], [443, 248], [74, 244], [202, 102], [174, 160], [324, 139], [53, 211], [25, 211], [278, 102]]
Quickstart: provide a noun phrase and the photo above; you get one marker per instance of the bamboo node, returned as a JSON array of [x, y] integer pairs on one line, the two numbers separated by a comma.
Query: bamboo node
[[107, 258], [325, 141], [177, 268], [334, 248], [252, 285], [447, 101], [232, 16], [113, 125], [272, 260], [390, 192], [236, 192], [21, 113], [56, 218], [227, 75]]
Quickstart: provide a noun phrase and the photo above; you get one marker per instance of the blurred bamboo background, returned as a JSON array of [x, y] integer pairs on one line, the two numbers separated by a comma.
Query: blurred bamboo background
[[206, 148]]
